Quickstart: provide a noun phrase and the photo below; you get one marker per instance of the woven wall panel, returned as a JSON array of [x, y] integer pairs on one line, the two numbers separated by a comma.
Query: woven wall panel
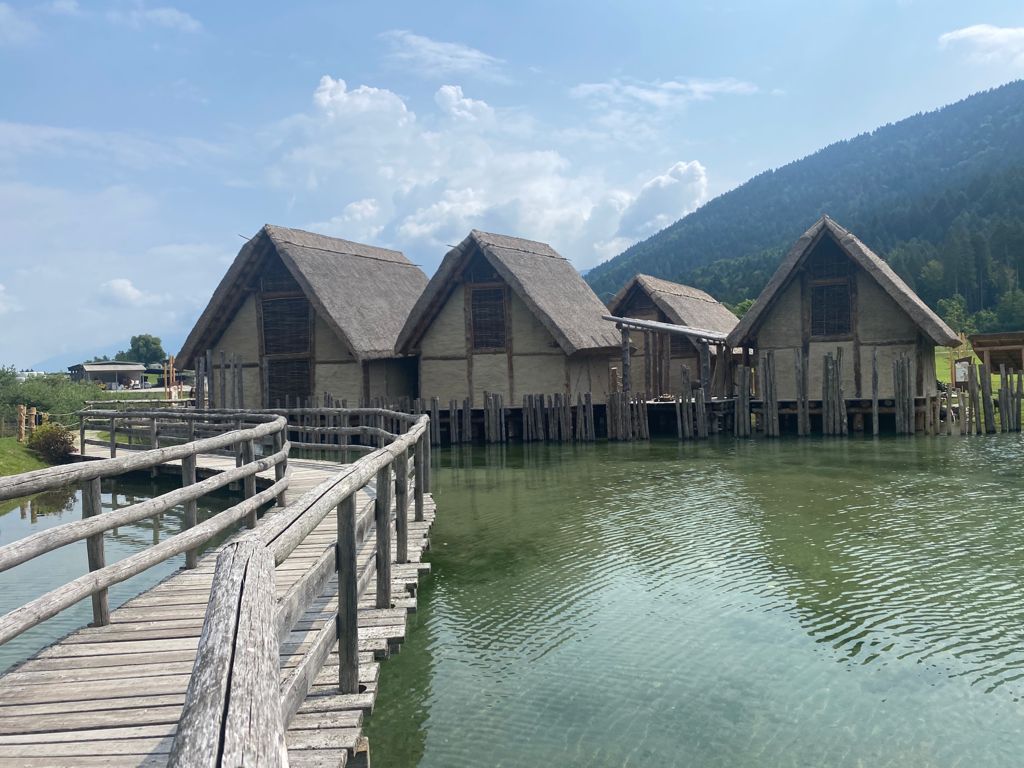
[[286, 326], [488, 307]]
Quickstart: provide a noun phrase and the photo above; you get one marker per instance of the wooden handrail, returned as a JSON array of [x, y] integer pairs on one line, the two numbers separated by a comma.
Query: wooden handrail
[[202, 731]]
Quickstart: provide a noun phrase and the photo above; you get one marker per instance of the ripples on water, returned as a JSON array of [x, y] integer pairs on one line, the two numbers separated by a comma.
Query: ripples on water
[[803, 603], [25, 582]]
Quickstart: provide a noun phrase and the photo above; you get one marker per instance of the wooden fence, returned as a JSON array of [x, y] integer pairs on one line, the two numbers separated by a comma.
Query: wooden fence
[[237, 433], [235, 708]]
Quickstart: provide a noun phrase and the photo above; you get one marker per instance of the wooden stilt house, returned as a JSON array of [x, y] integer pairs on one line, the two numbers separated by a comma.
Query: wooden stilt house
[[300, 314], [512, 317], [658, 357], [835, 317]]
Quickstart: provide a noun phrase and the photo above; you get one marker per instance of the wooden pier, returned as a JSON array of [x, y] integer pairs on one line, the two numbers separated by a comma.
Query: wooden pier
[[268, 649]]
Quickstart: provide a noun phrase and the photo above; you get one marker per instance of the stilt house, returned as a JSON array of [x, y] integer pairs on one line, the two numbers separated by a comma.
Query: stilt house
[[658, 358], [299, 314], [831, 293], [512, 317]]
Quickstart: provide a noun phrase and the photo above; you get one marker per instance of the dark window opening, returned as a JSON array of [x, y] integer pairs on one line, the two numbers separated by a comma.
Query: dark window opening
[[488, 318], [828, 261], [286, 326], [681, 345], [288, 381], [830, 309]]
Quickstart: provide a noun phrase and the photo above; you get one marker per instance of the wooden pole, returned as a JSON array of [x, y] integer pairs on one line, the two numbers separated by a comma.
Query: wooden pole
[[348, 598], [382, 518], [986, 393], [92, 505], [402, 506], [626, 365]]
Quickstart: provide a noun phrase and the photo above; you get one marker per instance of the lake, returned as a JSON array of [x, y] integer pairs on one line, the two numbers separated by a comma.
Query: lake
[[25, 582], [735, 603]]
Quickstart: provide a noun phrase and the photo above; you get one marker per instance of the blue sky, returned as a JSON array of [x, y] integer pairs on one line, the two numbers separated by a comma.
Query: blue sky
[[138, 140]]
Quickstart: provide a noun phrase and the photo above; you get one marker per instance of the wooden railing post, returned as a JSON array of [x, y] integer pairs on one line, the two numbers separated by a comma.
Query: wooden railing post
[[348, 598], [81, 434], [402, 507], [113, 437], [426, 468], [92, 501], [382, 519], [249, 484], [188, 477], [422, 445], [281, 468]]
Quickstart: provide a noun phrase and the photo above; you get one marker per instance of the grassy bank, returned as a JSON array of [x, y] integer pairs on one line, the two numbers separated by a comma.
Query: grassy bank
[[15, 457]]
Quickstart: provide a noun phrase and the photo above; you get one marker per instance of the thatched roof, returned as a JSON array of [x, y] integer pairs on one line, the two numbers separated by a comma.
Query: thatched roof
[[682, 304], [364, 293], [930, 324], [545, 281]]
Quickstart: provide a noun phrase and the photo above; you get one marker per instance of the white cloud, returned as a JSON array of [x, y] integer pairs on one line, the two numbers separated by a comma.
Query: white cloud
[[165, 17], [660, 94], [433, 58], [123, 292], [420, 182], [455, 104], [15, 27], [988, 43], [337, 102], [20, 140], [664, 199]]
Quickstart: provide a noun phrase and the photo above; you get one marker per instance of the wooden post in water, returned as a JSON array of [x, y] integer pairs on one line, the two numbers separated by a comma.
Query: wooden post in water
[[986, 393], [348, 597], [626, 364], [92, 505], [249, 484], [874, 391]]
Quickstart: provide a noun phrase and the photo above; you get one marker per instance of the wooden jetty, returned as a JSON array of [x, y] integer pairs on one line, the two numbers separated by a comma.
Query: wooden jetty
[[264, 650]]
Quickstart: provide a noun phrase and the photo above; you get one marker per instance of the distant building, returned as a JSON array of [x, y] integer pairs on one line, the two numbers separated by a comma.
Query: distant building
[[111, 373], [305, 314], [832, 292], [651, 298], [512, 317]]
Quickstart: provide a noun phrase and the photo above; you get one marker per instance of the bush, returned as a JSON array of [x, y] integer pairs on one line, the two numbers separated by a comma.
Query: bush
[[53, 442]]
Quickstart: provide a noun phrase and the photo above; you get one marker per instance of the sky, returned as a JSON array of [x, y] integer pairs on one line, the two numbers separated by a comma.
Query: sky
[[142, 142]]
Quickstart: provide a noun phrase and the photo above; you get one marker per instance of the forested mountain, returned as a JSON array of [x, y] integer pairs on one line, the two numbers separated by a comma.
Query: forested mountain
[[939, 195]]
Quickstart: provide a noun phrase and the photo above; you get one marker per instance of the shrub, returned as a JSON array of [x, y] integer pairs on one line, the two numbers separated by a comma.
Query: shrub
[[53, 442]]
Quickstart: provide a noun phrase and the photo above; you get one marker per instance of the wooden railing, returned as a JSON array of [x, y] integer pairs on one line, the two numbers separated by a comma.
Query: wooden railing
[[237, 707], [237, 433]]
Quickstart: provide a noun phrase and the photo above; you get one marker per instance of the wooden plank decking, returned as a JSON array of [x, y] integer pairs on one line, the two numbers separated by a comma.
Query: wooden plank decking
[[112, 695]]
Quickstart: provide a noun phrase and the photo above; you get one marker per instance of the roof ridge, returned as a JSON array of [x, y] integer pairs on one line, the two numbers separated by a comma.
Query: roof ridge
[[513, 248]]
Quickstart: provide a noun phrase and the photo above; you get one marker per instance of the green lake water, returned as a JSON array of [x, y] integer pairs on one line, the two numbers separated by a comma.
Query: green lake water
[[34, 578], [756, 603]]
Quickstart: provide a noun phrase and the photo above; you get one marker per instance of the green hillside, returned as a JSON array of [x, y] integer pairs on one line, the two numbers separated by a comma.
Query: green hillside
[[940, 195]]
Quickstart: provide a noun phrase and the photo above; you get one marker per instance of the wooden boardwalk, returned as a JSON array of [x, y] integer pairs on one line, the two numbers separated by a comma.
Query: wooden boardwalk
[[113, 695]]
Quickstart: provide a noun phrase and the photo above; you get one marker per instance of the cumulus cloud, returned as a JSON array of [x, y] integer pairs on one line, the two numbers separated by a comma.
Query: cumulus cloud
[[659, 94], [15, 26], [165, 17], [421, 181], [336, 101], [123, 293], [664, 199], [989, 43], [455, 104], [433, 58]]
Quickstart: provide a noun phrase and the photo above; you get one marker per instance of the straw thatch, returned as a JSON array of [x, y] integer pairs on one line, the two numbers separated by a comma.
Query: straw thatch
[[930, 324], [681, 304], [364, 293], [545, 281]]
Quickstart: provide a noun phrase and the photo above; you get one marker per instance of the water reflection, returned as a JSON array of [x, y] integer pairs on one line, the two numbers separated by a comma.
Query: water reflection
[[29, 580], [844, 602]]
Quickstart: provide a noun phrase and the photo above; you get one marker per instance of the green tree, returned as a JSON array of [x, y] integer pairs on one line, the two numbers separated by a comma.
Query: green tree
[[1010, 311], [144, 348], [954, 311], [741, 309]]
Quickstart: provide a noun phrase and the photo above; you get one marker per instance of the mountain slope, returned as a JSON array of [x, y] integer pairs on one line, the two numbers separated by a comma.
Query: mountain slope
[[940, 194]]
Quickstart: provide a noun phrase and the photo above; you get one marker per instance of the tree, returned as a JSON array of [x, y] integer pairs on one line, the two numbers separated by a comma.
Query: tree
[[954, 311], [143, 348], [1010, 311], [741, 309]]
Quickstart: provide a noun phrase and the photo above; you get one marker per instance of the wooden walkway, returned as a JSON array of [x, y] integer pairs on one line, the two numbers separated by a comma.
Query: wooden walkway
[[113, 695]]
